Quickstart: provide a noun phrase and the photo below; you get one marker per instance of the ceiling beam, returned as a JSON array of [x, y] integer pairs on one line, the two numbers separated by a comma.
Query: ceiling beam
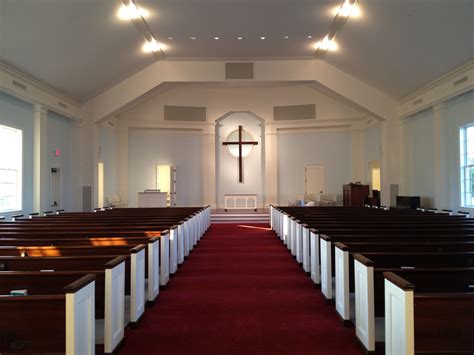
[[326, 76]]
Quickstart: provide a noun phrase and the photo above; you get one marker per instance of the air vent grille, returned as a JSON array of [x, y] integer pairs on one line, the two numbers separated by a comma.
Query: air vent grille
[[460, 81], [294, 112], [242, 70], [416, 102], [19, 85], [62, 104]]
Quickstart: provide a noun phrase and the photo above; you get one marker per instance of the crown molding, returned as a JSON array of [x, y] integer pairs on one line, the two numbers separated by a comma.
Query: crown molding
[[35, 91], [454, 83]]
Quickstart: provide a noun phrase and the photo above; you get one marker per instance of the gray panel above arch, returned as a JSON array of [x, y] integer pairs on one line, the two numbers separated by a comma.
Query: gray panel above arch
[[294, 112], [185, 113], [242, 70]]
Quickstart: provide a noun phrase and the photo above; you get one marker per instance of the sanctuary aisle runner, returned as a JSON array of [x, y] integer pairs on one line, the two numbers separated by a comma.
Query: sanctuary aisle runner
[[241, 292]]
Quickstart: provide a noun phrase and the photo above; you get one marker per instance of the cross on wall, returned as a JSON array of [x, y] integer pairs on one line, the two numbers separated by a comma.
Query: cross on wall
[[240, 143]]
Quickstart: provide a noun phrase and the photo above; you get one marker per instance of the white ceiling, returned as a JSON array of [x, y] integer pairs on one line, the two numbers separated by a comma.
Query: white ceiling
[[81, 48]]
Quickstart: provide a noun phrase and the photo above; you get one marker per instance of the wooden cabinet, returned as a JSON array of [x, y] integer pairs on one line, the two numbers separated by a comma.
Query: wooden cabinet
[[354, 194]]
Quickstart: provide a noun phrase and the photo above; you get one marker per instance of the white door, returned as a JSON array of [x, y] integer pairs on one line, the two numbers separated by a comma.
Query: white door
[[314, 179], [55, 188]]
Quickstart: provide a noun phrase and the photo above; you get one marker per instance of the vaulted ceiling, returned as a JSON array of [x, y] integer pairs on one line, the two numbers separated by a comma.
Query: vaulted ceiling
[[81, 48]]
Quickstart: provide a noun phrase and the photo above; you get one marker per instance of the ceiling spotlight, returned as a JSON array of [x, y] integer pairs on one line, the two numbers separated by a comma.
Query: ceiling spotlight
[[286, 37], [262, 38], [310, 36], [132, 12], [216, 38], [151, 46], [240, 38], [170, 38], [349, 8], [193, 38], [326, 44]]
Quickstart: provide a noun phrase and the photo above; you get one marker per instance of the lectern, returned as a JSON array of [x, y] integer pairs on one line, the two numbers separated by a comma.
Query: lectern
[[354, 194]]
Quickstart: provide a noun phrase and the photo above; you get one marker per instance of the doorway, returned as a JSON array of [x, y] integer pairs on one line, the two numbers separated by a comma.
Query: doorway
[[55, 188], [314, 180], [100, 185]]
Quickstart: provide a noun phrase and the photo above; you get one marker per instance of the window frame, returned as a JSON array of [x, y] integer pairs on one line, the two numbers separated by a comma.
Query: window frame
[[466, 167], [17, 168]]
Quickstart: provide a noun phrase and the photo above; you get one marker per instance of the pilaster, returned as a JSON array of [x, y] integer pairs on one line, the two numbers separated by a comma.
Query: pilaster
[[271, 165], [40, 160]]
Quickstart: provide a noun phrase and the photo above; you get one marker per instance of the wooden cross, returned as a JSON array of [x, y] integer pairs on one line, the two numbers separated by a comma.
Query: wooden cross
[[240, 143]]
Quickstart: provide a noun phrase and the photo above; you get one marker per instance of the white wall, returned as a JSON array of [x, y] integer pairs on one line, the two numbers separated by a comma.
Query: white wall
[[228, 178], [60, 136], [421, 143], [372, 148], [296, 150], [457, 112], [108, 155], [19, 114], [149, 147], [419, 157]]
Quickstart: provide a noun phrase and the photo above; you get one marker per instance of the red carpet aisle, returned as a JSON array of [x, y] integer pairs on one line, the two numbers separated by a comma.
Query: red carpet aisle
[[240, 292]]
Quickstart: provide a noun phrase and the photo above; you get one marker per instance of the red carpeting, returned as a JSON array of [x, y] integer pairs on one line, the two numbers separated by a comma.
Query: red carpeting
[[240, 292]]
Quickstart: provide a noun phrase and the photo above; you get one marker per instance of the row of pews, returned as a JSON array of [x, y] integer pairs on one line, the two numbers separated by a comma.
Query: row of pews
[[87, 276], [402, 277]]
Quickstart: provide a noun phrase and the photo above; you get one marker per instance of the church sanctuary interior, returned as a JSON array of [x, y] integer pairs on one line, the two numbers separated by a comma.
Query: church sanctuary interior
[[236, 177]]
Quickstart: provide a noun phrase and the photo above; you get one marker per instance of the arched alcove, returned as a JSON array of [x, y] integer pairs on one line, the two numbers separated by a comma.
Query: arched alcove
[[227, 165]]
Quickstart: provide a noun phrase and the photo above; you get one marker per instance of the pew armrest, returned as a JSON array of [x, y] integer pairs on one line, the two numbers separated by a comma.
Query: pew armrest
[[399, 315], [80, 316]]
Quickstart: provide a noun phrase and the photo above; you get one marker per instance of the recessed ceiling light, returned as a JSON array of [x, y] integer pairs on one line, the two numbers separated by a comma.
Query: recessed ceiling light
[[151, 46], [286, 37], [216, 38], [170, 38], [131, 12], [240, 38], [262, 38], [326, 44], [193, 38], [310, 36]]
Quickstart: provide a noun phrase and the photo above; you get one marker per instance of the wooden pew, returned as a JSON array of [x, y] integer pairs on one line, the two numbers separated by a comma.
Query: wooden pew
[[368, 276], [429, 312], [343, 263], [139, 290], [57, 323]]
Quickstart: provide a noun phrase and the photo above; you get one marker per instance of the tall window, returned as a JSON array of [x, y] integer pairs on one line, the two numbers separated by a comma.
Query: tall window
[[10, 168], [467, 165]]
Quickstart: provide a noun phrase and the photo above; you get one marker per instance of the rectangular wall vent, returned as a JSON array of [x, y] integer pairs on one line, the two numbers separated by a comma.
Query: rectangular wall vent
[[110, 123], [460, 81], [416, 102], [185, 113], [294, 112], [242, 70], [62, 104], [19, 85]]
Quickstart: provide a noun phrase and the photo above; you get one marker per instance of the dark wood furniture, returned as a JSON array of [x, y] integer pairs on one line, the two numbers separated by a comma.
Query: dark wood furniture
[[354, 194], [412, 202]]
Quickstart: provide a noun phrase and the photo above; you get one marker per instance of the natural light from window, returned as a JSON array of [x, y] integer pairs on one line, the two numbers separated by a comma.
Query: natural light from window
[[467, 165], [10, 169]]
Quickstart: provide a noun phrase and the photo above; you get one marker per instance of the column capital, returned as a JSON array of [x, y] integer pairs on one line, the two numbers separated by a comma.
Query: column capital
[[439, 106], [40, 109]]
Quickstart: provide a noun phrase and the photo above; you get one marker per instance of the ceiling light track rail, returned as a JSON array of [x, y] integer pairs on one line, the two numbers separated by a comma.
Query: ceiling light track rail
[[134, 13], [347, 8]]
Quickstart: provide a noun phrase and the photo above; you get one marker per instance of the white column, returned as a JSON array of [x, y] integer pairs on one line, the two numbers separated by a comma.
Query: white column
[[40, 162], [123, 164], [209, 166], [271, 166], [359, 168], [440, 178]]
